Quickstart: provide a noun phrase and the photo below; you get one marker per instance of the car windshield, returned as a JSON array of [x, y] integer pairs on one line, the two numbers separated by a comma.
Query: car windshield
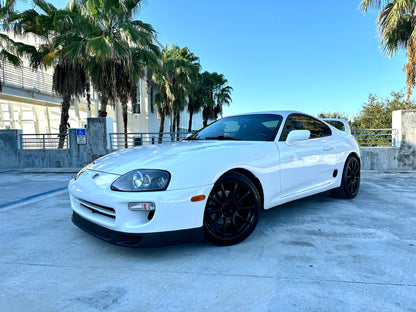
[[262, 127]]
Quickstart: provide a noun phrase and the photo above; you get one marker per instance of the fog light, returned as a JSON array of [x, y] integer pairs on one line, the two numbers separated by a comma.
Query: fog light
[[142, 206]]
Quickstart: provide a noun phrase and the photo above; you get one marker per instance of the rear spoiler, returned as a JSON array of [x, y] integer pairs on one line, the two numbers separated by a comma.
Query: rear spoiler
[[339, 123]]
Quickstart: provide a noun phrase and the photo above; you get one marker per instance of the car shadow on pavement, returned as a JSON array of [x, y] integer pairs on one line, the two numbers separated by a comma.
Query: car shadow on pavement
[[270, 220]]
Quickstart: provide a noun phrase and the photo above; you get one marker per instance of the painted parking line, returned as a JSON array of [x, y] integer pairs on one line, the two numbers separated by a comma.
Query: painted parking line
[[31, 197], [4, 171]]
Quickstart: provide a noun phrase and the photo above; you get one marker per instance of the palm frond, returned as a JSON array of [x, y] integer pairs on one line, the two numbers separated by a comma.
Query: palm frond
[[11, 58]]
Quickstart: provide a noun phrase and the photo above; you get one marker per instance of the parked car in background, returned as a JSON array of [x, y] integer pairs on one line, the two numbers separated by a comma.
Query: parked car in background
[[215, 183]]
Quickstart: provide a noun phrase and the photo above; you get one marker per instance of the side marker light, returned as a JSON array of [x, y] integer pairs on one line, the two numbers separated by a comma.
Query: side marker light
[[197, 198]]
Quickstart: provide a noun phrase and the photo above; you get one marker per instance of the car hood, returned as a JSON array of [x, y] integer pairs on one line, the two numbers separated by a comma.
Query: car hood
[[191, 163]]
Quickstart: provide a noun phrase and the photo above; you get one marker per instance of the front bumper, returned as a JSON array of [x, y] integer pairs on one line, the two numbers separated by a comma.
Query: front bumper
[[139, 240], [105, 213]]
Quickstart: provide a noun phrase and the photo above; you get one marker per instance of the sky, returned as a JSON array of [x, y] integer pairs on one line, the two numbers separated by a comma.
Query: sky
[[311, 56]]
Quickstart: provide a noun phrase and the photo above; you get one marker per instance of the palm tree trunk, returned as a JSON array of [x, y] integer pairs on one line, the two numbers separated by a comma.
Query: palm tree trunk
[[162, 127], [174, 122], [410, 68], [124, 106], [89, 103], [191, 113], [178, 119], [205, 114], [63, 126], [103, 107]]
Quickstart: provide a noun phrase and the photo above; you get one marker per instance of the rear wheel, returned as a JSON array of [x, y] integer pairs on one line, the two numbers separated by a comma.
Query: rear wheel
[[350, 183], [232, 210]]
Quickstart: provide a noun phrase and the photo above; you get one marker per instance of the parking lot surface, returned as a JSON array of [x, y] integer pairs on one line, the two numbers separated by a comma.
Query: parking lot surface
[[315, 254]]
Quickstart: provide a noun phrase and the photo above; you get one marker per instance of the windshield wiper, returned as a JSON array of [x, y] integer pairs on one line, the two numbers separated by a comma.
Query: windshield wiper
[[222, 137]]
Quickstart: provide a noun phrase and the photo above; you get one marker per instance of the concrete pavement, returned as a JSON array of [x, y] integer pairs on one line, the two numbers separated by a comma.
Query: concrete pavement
[[316, 254]]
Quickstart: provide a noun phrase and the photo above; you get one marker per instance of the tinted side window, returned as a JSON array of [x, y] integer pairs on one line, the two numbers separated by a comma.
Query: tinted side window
[[302, 122]]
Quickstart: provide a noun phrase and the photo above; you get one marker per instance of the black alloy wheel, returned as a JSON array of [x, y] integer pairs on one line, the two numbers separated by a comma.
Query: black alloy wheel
[[232, 210], [351, 177]]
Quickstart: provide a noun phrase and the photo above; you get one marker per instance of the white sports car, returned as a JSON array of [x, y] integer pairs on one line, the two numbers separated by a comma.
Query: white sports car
[[214, 184]]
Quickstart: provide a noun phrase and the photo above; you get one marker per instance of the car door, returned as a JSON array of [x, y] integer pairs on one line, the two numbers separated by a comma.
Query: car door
[[307, 164]]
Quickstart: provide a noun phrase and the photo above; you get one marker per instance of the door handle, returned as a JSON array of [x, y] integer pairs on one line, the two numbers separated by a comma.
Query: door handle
[[328, 148]]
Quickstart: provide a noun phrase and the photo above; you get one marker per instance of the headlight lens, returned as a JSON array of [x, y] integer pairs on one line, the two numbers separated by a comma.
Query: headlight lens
[[142, 180], [84, 169]]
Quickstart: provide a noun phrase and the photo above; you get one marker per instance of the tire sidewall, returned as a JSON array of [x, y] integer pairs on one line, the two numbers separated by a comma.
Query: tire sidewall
[[344, 188]]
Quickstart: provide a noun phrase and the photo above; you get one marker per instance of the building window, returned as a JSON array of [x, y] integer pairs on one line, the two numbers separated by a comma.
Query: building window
[[137, 104]]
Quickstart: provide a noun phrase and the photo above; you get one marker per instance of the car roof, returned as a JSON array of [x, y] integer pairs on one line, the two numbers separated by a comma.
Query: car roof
[[283, 113]]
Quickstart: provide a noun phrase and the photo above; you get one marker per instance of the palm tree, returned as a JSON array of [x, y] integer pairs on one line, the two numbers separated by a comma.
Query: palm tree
[[11, 50], [99, 39], [200, 97], [58, 30], [186, 82], [222, 97], [163, 76], [397, 27], [127, 79], [69, 80], [220, 94], [174, 75], [111, 41]]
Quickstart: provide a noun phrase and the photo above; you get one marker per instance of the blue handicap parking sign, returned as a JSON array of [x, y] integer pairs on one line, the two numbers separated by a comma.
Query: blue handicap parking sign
[[81, 132]]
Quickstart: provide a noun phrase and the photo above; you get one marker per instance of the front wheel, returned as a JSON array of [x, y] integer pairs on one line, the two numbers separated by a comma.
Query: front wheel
[[350, 183], [232, 210]]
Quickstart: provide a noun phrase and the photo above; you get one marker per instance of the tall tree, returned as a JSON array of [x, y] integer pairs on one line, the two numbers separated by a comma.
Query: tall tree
[[397, 27], [95, 38], [220, 94], [376, 113], [200, 96], [127, 79], [186, 82], [223, 97], [113, 37], [174, 77], [11, 50], [58, 29]]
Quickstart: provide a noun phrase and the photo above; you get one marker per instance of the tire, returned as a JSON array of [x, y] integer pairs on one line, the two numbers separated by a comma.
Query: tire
[[232, 210], [351, 177]]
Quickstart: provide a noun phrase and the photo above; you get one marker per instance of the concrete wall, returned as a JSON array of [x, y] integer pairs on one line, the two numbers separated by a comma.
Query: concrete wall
[[9, 148], [407, 153], [399, 158], [76, 156], [380, 158]]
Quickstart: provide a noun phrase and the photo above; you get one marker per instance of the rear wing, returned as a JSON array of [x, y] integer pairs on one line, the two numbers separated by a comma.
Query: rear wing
[[339, 123]]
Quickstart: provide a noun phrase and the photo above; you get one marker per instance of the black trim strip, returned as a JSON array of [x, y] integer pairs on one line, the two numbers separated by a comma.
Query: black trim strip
[[145, 240]]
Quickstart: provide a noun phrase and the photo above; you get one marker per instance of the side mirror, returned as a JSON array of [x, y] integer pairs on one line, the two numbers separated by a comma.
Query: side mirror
[[297, 136]]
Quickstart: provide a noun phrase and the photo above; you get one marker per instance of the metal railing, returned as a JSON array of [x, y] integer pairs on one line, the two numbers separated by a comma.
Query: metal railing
[[126, 140], [375, 137], [365, 137], [43, 141], [26, 78]]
